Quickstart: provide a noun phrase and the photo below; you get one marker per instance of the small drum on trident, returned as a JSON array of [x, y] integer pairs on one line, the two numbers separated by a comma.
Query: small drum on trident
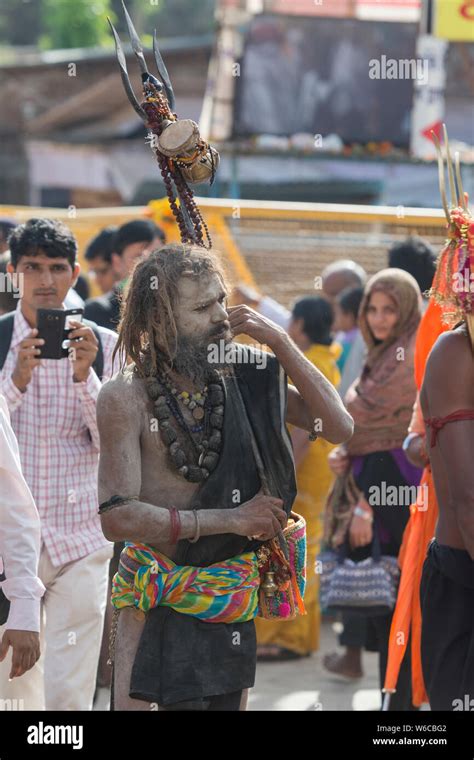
[[181, 141]]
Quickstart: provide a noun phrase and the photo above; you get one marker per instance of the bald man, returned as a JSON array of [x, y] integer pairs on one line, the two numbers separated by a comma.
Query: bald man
[[335, 278], [340, 275]]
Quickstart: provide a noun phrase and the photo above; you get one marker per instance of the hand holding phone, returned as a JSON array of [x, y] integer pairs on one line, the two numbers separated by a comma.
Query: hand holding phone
[[83, 348], [64, 336], [54, 326], [28, 359]]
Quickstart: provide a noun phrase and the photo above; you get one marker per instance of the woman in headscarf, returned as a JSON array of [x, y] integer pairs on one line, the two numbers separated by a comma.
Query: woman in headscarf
[[373, 464]]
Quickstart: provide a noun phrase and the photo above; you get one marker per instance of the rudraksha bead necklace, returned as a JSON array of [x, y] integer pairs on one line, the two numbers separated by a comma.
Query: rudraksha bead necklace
[[165, 404]]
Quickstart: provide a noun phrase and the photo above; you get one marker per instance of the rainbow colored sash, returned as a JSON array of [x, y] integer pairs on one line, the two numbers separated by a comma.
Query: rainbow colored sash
[[226, 592]]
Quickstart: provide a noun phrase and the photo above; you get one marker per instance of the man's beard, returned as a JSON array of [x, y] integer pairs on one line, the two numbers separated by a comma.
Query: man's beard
[[192, 358]]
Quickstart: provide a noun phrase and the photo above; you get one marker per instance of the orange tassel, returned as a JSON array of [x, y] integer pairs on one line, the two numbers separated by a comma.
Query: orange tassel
[[299, 600]]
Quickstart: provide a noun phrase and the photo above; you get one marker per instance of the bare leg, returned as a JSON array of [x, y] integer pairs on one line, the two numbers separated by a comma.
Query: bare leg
[[244, 700], [104, 671], [129, 630]]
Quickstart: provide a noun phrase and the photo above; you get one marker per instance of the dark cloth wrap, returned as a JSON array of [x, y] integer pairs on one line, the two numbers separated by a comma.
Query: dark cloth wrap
[[447, 633], [179, 657]]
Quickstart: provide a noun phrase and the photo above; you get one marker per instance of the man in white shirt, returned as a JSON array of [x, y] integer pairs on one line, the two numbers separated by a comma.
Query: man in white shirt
[[52, 404], [19, 548]]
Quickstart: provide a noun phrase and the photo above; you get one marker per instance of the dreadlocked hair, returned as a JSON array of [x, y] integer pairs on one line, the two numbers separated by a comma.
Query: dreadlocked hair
[[148, 335]]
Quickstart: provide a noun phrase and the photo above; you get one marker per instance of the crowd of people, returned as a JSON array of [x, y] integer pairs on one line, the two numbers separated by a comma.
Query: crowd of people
[[233, 453]]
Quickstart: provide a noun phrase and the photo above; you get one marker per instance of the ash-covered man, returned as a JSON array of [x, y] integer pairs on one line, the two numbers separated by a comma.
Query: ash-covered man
[[178, 479]]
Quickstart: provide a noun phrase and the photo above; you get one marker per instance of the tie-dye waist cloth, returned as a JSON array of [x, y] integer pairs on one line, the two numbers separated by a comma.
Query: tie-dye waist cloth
[[226, 592]]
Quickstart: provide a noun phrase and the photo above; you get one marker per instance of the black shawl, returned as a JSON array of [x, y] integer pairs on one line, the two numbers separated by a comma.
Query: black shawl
[[179, 657]]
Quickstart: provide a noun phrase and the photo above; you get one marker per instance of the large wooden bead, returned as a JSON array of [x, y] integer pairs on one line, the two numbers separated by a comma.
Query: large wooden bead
[[161, 412], [194, 474], [179, 458], [210, 460], [153, 388], [216, 420], [215, 441], [216, 395], [168, 435]]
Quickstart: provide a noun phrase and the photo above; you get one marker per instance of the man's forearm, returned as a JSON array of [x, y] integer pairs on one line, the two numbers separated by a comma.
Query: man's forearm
[[140, 522], [321, 399], [13, 395]]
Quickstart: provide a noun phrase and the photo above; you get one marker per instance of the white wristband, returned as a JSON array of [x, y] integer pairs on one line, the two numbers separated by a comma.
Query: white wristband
[[364, 513]]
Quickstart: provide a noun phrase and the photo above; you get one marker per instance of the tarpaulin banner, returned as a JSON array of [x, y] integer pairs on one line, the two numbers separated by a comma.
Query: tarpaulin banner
[[375, 10], [454, 20], [322, 76], [388, 10], [341, 8], [428, 97]]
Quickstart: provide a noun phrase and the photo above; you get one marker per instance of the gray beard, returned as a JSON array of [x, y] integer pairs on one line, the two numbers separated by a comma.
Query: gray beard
[[191, 359]]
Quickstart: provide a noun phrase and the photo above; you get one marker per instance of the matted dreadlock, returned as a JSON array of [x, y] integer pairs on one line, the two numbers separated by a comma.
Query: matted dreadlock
[[148, 334]]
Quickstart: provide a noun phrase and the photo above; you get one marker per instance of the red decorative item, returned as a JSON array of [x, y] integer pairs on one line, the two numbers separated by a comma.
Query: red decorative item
[[175, 525]]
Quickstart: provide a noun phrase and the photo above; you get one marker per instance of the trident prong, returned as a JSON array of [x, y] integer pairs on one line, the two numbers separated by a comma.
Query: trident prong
[[163, 72], [140, 56], [124, 74], [454, 175], [136, 44], [442, 186], [462, 197], [449, 162]]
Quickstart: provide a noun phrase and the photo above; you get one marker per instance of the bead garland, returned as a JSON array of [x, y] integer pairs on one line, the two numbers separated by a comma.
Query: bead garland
[[165, 404]]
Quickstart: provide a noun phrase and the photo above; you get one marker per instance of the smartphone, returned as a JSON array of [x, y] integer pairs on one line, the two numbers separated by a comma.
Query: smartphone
[[54, 327]]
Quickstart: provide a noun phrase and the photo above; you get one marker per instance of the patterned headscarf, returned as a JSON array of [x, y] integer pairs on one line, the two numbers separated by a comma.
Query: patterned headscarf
[[381, 400]]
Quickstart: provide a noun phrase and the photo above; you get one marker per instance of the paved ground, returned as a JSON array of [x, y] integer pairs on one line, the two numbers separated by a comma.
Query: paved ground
[[305, 685]]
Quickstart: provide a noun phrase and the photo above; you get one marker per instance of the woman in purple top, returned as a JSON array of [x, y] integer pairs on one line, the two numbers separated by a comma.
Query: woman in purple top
[[372, 494]]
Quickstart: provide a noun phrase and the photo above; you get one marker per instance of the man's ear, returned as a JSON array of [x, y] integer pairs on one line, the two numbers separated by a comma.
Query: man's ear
[[75, 274], [10, 268], [298, 325]]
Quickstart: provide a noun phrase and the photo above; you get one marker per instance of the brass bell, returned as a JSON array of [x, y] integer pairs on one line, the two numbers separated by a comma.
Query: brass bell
[[202, 170], [269, 586]]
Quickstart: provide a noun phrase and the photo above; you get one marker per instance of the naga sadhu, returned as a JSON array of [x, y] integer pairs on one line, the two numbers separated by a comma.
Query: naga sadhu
[[197, 471]]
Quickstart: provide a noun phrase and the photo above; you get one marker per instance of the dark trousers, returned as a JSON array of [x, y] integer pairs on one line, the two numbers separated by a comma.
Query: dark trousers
[[372, 633], [447, 634], [220, 703], [354, 634]]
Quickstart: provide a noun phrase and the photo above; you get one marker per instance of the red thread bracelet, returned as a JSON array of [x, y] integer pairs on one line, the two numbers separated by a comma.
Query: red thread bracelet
[[175, 525]]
